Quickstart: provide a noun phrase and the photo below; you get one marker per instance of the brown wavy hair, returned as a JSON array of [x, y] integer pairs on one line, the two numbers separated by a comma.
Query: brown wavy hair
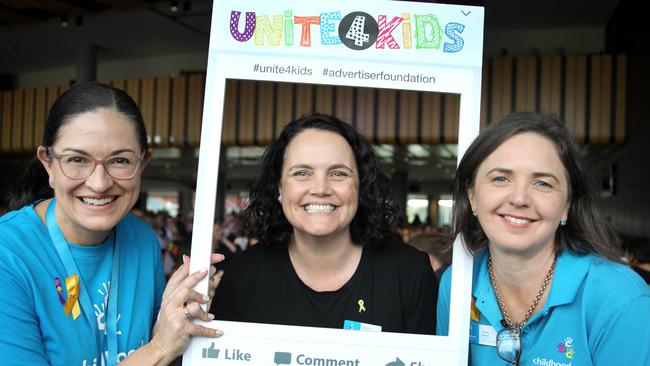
[[586, 231]]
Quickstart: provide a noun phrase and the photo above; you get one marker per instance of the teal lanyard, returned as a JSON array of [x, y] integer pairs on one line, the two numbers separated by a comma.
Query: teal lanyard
[[63, 250]]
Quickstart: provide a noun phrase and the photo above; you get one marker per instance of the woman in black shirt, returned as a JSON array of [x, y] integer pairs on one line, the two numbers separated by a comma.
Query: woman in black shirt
[[322, 211]]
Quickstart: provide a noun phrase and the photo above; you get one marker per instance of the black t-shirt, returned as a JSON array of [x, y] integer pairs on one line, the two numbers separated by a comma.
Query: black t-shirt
[[393, 286], [227, 255]]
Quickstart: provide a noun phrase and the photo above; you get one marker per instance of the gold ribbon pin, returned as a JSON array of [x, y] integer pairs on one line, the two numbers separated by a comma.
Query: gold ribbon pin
[[475, 314], [72, 304], [361, 307]]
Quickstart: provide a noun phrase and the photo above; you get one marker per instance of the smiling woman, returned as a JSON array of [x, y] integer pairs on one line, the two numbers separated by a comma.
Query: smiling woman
[[322, 210], [548, 286], [91, 200], [319, 192], [82, 277], [520, 192]]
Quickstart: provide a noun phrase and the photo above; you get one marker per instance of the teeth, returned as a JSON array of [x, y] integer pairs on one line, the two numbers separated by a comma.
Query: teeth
[[319, 208], [516, 220], [98, 202]]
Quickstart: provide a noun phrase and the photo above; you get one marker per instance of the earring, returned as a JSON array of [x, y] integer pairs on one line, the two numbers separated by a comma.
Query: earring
[[474, 213], [280, 198], [563, 223]]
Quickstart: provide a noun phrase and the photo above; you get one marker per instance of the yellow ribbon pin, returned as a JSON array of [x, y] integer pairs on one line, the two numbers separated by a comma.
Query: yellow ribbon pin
[[475, 314], [72, 304], [361, 307]]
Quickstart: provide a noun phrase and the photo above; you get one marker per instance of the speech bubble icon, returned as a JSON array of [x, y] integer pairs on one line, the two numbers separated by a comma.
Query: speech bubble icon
[[282, 358]]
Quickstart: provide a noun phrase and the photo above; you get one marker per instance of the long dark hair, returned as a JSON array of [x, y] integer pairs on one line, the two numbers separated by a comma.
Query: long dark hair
[[586, 230], [375, 213], [77, 100]]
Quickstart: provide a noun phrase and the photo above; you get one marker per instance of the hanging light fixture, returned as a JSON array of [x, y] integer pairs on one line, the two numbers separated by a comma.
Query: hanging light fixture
[[173, 6]]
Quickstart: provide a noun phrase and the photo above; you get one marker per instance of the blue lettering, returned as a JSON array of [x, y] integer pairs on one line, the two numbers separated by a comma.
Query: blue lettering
[[328, 33], [452, 31]]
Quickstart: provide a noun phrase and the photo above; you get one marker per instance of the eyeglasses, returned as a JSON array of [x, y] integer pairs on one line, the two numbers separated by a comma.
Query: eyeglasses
[[78, 166], [509, 345]]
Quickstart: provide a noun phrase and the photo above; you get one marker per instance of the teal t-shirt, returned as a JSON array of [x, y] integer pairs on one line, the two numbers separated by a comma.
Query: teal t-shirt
[[34, 329], [95, 267], [597, 313]]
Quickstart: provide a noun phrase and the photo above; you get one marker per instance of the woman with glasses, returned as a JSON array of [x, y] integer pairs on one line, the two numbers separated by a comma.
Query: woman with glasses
[[548, 284], [81, 280]]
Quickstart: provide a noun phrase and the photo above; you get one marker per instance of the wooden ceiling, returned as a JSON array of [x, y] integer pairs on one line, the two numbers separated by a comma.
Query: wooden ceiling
[[16, 12]]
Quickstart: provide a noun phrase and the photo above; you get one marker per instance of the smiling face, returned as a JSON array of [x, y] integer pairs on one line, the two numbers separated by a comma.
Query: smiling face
[[521, 194], [87, 209], [320, 184]]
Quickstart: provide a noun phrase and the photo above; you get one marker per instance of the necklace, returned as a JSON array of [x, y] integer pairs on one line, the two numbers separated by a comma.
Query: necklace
[[502, 307]]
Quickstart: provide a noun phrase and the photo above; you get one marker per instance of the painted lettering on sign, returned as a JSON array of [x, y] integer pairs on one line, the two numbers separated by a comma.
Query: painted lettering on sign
[[357, 30]]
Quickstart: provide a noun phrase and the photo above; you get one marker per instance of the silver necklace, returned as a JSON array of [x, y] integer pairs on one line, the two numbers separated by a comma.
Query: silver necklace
[[533, 306]]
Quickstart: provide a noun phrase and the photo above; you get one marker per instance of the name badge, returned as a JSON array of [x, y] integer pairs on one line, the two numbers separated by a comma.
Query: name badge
[[352, 325], [482, 334]]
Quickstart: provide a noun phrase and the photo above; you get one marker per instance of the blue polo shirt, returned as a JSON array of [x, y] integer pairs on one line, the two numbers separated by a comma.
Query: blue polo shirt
[[597, 313]]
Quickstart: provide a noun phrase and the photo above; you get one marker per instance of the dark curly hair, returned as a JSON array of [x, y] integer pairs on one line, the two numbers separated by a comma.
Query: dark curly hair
[[264, 217], [586, 230]]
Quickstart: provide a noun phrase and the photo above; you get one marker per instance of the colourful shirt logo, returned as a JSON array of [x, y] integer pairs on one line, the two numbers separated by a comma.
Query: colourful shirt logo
[[566, 348]]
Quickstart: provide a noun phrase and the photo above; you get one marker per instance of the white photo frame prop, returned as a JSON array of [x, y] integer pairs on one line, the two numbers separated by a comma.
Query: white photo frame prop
[[389, 45]]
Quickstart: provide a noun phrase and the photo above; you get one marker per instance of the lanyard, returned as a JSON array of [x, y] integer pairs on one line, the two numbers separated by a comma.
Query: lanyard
[[63, 250]]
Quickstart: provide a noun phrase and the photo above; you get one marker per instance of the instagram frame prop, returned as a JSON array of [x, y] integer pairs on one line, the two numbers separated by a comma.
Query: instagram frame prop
[[389, 45]]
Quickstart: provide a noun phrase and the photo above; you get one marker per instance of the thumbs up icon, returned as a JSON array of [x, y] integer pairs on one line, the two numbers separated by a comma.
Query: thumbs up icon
[[397, 362], [210, 352]]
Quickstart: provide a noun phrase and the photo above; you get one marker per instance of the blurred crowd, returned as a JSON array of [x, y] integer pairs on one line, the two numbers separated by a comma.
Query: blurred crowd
[[175, 237]]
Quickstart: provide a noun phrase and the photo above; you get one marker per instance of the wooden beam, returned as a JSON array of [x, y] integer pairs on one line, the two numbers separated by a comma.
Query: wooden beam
[[595, 92], [147, 105], [6, 97], [386, 116], [324, 99], [40, 114], [606, 102], [408, 117], [195, 92], [178, 111], [431, 122], [365, 115], [17, 121], [28, 120], [621, 87], [452, 116], [343, 106], [265, 104], [304, 99], [229, 129], [162, 112], [284, 106], [246, 114]]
